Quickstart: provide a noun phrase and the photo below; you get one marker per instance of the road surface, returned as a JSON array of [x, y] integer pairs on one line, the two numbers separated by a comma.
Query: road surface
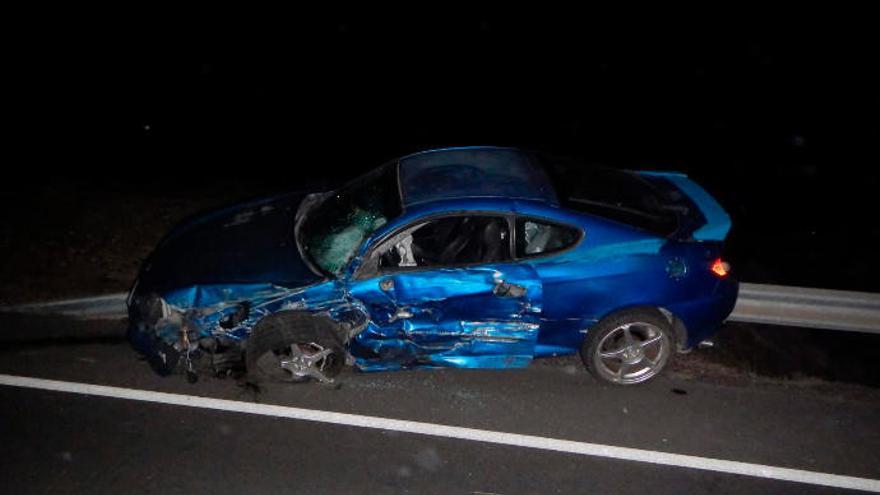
[[71, 442]]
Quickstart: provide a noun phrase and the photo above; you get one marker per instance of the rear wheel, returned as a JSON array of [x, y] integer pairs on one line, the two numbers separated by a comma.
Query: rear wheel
[[629, 347], [294, 347]]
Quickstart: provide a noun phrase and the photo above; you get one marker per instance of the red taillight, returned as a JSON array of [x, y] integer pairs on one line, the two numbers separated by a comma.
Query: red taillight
[[720, 268]]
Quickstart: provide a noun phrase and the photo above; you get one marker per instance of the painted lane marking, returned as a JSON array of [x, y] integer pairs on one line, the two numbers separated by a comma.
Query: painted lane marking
[[456, 432]]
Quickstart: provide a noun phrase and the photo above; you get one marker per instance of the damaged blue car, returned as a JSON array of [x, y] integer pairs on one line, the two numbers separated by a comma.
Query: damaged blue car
[[478, 257]]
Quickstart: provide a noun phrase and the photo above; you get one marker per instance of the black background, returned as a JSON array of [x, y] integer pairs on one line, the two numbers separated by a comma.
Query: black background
[[776, 115]]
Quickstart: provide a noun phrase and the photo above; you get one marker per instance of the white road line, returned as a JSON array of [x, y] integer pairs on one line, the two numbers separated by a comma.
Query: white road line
[[494, 437]]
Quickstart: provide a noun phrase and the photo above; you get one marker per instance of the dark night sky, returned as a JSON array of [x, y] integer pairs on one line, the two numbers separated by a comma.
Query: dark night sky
[[776, 116]]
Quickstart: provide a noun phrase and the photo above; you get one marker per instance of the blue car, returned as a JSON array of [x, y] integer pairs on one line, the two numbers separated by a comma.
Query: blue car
[[477, 257]]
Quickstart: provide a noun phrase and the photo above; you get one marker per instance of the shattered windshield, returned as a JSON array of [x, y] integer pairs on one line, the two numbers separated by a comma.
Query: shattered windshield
[[333, 230]]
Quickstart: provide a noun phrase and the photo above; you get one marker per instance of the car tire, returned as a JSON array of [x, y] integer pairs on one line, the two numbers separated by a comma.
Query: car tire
[[629, 347], [270, 343]]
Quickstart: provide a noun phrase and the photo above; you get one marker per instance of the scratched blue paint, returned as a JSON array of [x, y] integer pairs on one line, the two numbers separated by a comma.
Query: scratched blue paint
[[221, 275]]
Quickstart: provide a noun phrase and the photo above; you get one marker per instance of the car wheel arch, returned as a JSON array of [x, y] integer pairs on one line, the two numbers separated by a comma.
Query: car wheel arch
[[679, 329], [293, 325], [294, 316]]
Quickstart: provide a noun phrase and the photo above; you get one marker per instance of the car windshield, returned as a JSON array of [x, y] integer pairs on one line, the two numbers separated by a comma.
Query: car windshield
[[333, 229]]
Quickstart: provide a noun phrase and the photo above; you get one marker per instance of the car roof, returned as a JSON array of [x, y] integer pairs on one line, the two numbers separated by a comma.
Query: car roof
[[472, 172]]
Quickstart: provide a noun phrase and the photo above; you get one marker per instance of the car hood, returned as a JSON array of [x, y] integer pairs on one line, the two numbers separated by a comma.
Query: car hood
[[243, 244]]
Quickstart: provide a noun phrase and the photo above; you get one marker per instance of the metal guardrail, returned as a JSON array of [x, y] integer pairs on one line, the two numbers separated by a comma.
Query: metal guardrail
[[806, 307], [757, 303], [105, 306]]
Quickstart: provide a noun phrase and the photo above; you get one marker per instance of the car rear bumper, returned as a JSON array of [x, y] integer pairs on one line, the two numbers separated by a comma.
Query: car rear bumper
[[703, 316]]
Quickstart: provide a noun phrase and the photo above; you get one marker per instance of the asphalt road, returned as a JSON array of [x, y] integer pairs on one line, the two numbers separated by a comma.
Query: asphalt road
[[59, 442]]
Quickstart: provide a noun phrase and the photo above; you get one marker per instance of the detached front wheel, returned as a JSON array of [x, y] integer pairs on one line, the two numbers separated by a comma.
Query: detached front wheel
[[629, 347], [294, 347]]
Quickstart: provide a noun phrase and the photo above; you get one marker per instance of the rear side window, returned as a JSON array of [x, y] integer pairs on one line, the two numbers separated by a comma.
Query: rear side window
[[446, 242], [536, 238]]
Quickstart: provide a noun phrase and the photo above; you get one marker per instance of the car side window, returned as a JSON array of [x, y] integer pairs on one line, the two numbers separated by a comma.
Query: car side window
[[448, 241], [535, 238]]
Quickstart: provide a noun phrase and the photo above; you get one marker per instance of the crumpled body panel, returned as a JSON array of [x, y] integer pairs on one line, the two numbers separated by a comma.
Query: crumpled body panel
[[449, 318], [205, 307]]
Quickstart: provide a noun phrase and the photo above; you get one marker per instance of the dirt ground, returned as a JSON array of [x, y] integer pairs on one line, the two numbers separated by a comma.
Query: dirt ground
[[67, 241]]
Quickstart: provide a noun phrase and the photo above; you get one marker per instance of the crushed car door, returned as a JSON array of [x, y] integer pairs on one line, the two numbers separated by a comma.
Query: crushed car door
[[439, 300]]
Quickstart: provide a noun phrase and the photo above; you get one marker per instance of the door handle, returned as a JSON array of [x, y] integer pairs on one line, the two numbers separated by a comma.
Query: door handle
[[504, 289], [386, 284]]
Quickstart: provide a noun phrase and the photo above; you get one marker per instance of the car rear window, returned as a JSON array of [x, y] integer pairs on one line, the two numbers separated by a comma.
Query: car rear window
[[610, 193]]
